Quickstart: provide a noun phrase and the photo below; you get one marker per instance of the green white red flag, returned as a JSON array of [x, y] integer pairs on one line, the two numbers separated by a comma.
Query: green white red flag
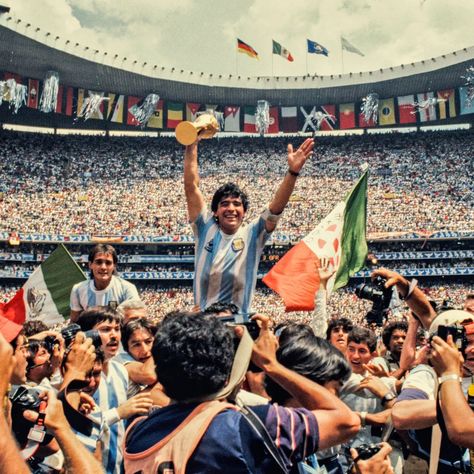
[[340, 237], [46, 294]]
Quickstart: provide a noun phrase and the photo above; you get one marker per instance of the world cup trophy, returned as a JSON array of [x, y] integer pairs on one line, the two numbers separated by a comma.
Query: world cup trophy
[[205, 126]]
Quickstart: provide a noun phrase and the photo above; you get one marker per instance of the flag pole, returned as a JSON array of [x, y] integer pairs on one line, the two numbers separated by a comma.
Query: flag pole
[[342, 57], [272, 58], [237, 59], [306, 61]]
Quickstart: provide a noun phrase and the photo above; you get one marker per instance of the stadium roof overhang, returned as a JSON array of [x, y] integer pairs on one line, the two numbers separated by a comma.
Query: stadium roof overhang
[[30, 58]]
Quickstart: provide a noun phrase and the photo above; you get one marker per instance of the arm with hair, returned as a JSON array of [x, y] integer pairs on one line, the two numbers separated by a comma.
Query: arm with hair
[[296, 161], [194, 197], [319, 318]]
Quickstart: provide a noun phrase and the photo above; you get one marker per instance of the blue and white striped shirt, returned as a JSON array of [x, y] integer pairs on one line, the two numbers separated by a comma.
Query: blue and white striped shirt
[[84, 295], [111, 393], [226, 265]]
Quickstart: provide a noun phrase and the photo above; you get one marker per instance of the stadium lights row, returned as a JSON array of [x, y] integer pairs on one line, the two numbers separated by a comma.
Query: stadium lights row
[[229, 76]]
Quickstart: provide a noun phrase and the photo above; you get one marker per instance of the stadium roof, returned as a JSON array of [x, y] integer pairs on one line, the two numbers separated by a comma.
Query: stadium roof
[[30, 58]]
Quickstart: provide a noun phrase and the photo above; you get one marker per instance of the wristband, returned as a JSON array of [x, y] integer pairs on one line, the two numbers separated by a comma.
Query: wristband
[[363, 416], [447, 377], [293, 173], [270, 217], [411, 288]]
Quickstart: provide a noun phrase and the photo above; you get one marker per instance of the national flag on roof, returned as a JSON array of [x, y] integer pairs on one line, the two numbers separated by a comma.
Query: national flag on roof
[[231, 118], [282, 51], [340, 237], [346, 116], [447, 104], [46, 294], [33, 93], [316, 48], [245, 48], [289, 119], [406, 109], [249, 120], [345, 44]]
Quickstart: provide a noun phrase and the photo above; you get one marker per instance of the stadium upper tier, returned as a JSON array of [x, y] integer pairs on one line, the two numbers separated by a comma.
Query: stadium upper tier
[[28, 57]]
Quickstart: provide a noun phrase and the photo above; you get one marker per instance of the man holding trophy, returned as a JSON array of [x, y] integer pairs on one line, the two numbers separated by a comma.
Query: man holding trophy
[[227, 252]]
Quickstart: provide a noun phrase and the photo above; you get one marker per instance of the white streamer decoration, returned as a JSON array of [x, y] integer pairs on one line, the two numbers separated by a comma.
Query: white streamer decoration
[[145, 111], [49, 96], [469, 77], [424, 104], [91, 104], [262, 117], [370, 107], [18, 94], [3, 88], [318, 117]]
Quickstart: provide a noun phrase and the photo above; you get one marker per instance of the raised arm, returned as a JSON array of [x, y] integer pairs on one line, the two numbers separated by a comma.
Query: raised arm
[[296, 161], [413, 296], [194, 197]]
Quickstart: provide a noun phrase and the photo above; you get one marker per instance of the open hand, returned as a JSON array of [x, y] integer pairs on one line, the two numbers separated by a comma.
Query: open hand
[[296, 159]]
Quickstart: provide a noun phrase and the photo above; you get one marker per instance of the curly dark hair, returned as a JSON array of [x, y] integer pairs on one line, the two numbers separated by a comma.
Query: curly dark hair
[[229, 190], [389, 328], [308, 355], [193, 355]]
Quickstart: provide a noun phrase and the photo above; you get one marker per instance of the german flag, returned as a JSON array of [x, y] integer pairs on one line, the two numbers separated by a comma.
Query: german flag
[[246, 49]]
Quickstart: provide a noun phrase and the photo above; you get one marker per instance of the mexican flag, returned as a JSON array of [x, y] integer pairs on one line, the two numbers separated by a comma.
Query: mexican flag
[[281, 51], [340, 237], [45, 295]]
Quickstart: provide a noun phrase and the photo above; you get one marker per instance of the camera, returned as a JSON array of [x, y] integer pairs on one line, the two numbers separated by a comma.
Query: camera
[[69, 333], [457, 332], [366, 451], [49, 342], [379, 295]]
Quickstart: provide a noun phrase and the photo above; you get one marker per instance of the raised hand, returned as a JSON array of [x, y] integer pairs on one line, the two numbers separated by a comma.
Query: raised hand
[[296, 159]]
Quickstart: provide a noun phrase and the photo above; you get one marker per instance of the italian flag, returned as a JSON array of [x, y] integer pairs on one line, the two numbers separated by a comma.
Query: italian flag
[[46, 294], [340, 237], [281, 51]]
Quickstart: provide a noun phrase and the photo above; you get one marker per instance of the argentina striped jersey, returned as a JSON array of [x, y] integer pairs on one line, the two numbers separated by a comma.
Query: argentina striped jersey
[[84, 294], [226, 265]]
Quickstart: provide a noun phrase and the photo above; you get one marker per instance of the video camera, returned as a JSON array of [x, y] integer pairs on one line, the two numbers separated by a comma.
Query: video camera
[[458, 332], [379, 295]]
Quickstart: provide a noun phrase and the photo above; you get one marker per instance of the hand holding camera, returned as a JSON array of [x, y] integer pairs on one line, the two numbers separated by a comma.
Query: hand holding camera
[[445, 357], [372, 458]]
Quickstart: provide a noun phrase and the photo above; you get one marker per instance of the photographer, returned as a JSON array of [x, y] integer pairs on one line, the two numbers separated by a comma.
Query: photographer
[[415, 408], [448, 362]]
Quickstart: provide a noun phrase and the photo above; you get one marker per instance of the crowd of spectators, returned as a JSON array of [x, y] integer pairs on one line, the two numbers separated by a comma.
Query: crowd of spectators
[[95, 185]]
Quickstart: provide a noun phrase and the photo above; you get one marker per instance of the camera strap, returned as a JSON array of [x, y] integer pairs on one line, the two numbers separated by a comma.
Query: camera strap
[[36, 434]]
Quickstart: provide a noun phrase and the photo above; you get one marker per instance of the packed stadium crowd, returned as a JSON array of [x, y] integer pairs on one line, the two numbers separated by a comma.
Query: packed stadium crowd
[[95, 185]]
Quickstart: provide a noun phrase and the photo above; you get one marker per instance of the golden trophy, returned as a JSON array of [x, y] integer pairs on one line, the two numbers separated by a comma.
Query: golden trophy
[[205, 126]]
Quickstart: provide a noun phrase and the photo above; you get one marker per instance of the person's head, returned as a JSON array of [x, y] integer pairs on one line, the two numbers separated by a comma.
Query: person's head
[[393, 337], [469, 303], [102, 264], [361, 348], [13, 334], [39, 361], [229, 205], [193, 355], [132, 309], [94, 375], [337, 332], [107, 323], [34, 326], [459, 319], [20, 351], [137, 338], [312, 357]]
